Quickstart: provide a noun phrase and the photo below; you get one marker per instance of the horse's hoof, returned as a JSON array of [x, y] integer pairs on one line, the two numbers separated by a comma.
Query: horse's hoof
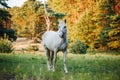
[[53, 70], [66, 72], [49, 69]]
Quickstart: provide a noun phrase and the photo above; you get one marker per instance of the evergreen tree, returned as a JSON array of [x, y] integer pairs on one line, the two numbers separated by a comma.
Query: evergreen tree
[[4, 4], [5, 25], [4, 18], [107, 19]]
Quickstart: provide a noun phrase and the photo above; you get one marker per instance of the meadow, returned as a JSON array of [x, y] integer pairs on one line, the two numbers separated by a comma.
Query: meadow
[[26, 66]]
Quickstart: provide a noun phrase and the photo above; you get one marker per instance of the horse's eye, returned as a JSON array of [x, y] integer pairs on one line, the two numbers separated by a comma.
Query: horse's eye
[[64, 26]]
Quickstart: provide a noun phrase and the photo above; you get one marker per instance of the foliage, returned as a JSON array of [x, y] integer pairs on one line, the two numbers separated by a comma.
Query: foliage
[[4, 18], [78, 48], [114, 32], [33, 48], [9, 32], [94, 22], [5, 46], [4, 4], [29, 20], [5, 24], [81, 67], [108, 20]]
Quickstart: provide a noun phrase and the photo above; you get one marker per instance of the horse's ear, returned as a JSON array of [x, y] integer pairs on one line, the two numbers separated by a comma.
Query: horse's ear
[[65, 21], [58, 23]]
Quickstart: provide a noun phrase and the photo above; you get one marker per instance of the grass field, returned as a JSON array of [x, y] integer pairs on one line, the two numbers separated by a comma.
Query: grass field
[[81, 67]]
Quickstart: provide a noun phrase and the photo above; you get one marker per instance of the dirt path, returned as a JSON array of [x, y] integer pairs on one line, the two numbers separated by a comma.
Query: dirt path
[[24, 44]]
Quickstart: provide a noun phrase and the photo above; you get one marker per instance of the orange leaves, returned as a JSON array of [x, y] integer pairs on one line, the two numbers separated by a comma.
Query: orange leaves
[[114, 44]]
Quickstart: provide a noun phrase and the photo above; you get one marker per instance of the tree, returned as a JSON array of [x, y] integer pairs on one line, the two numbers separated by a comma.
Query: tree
[[77, 12], [94, 22], [4, 18], [29, 20], [4, 4], [5, 25], [114, 24], [107, 19]]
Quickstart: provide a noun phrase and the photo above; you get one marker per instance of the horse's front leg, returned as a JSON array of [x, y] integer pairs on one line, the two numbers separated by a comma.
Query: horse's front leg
[[64, 59], [48, 59]]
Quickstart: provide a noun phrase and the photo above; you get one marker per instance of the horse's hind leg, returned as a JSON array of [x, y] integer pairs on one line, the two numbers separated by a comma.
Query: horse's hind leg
[[51, 57], [54, 59], [48, 58]]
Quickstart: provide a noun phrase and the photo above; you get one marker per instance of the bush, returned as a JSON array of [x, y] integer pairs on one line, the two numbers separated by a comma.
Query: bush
[[10, 34], [78, 48], [5, 46], [33, 48]]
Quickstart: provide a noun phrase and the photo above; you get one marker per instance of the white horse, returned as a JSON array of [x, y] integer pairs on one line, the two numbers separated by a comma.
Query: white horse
[[54, 42]]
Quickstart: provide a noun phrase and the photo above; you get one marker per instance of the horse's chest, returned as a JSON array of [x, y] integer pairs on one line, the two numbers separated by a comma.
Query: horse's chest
[[63, 46]]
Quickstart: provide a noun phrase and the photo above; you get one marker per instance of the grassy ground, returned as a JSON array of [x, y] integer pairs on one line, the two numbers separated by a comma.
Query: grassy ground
[[81, 67]]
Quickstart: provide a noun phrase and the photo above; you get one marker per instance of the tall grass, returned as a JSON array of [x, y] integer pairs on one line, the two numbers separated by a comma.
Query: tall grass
[[81, 67]]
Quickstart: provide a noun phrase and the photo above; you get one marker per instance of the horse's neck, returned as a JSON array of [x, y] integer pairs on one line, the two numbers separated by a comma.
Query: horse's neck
[[65, 37]]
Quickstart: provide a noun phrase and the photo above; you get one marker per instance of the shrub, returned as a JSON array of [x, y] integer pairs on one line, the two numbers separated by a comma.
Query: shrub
[[5, 46], [10, 34], [78, 48], [33, 48]]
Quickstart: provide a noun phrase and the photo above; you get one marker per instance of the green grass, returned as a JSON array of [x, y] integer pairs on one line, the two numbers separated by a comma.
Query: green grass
[[81, 67]]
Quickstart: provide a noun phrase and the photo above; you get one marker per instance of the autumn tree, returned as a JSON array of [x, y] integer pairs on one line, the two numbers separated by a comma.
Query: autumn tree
[[106, 19], [27, 19], [94, 22]]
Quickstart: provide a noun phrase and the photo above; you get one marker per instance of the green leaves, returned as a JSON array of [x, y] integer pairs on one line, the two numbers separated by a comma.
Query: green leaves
[[78, 48], [3, 3], [5, 46], [4, 18]]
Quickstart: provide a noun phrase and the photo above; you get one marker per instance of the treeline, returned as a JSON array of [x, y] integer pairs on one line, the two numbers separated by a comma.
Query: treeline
[[94, 22], [29, 20]]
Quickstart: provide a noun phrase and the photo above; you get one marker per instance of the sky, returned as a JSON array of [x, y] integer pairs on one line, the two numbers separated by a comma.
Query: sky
[[13, 3], [18, 3]]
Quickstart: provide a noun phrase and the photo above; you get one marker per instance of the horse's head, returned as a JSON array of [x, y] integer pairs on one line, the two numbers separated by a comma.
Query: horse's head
[[62, 29]]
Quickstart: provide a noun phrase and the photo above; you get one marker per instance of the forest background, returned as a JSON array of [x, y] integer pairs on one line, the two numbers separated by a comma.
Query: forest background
[[95, 23]]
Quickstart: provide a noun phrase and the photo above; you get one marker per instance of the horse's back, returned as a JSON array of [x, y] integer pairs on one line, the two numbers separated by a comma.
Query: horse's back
[[50, 36]]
